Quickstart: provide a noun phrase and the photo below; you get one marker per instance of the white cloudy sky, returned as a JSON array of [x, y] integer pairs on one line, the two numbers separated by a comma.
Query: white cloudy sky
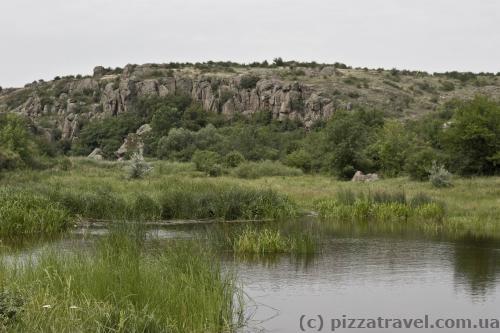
[[45, 38]]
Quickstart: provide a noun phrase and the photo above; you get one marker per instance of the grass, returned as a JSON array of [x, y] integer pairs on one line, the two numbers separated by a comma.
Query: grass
[[45, 201], [380, 206], [254, 170], [472, 204], [120, 288], [295, 237], [171, 199], [255, 241], [99, 189], [24, 212]]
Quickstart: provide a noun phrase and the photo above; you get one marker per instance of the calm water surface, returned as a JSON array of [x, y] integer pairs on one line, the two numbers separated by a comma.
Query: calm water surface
[[361, 275], [369, 277]]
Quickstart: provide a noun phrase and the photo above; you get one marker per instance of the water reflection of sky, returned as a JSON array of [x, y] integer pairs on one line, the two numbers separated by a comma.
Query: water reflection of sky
[[359, 275], [374, 277]]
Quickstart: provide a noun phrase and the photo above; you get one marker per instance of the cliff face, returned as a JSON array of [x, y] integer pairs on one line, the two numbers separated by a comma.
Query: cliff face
[[305, 94]]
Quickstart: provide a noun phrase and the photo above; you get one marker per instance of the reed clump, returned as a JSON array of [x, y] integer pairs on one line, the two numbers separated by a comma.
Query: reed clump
[[171, 200], [120, 287], [267, 240], [24, 212], [380, 206]]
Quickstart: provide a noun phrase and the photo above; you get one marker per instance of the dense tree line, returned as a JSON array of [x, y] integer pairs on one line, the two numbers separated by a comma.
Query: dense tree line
[[464, 136]]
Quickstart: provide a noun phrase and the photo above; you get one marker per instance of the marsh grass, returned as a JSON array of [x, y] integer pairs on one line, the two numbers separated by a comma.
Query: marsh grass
[[253, 170], [47, 203], [24, 212], [99, 189], [381, 206], [228, 202], [279, 237], [120, 287]]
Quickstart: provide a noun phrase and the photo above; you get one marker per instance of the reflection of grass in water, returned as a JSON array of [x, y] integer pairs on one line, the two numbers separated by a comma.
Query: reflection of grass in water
[[120, 288]]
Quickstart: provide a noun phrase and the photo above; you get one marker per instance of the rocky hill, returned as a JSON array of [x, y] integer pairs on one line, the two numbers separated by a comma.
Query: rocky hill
[[304, 91]]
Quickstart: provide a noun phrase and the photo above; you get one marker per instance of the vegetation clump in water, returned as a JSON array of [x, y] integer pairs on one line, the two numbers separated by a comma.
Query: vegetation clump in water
[[269, 241], [380, 206]]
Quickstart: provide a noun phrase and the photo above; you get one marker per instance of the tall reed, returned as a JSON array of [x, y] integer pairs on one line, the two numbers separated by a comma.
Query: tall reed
[[380, 206], [120, 288]]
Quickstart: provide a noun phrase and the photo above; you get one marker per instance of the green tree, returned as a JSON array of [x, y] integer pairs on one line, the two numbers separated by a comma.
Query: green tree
[[344, 140], [107, 134], [419, 163], [178, 145], [299, 159], [164, 119], [17, 147], [473, 137], [392, 147]]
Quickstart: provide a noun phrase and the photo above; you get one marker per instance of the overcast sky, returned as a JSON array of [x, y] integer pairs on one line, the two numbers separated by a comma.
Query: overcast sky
[[45, 38]]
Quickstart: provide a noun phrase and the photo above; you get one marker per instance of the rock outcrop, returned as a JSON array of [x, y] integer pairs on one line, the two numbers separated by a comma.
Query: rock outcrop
[[133, 143], [104, 95], [361, 177], [299, 93]]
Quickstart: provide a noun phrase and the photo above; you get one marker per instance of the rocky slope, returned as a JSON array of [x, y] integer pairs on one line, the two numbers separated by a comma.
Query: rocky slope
[[307, 93]]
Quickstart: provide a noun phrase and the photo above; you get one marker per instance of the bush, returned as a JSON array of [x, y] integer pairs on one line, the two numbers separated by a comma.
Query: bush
[[299, 159], [233, 159], [249, 81], [439, 176], [343, 142], [252, 170], [177, 145], [207, 161], [419, 163], [138, 168]]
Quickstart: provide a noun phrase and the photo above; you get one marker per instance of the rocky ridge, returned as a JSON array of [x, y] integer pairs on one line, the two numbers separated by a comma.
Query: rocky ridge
[[305, 94]]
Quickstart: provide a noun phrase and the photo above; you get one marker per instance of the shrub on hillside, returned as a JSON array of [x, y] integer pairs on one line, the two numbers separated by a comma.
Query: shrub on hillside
[[249, 81], [107, 134]]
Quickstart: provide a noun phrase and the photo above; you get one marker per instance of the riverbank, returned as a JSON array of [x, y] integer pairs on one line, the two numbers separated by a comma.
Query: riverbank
[[82, 188]]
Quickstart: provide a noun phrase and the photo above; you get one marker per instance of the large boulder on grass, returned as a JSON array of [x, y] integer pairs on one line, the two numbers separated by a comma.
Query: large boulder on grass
[[359, 176], [96, 154]]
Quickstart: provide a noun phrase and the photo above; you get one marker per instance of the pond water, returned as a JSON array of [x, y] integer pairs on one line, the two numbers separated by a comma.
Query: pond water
[[362, 275]]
